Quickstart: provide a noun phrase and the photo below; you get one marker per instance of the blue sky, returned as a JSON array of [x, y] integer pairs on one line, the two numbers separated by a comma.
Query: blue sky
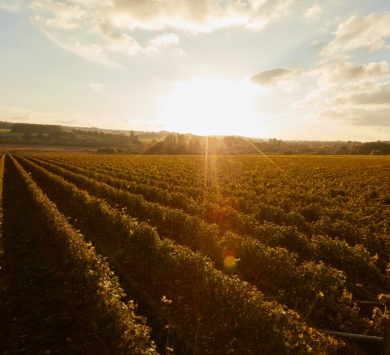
[[291, 69]]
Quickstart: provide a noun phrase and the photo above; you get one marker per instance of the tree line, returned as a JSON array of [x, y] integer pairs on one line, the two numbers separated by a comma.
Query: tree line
[[154, 143]]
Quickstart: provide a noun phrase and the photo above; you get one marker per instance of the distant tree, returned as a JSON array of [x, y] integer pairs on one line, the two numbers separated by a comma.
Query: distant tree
[[54, 135], [170, 139], [28, 135], [229, 142], [133, 138], [181, 139], [194, 145], [6, 125], [377, 152], [35, 128], [377, 147]]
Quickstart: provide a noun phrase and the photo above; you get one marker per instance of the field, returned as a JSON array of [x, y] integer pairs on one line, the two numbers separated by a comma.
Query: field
[[194, 255]]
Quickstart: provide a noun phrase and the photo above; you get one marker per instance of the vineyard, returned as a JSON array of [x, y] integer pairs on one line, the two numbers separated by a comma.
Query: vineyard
[[194, 255]]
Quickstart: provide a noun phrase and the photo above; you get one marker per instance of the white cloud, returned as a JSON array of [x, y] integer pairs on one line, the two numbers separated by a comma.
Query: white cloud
[[59, 14], [338, 68], [362, 102], [165, 40], [348, 71], [275, 76], [12, 6], [123, 43], [196, 15], [337, 90], [90, 52], [94, 29], [372, 117], [379, 95], [360, 32], [313, 11]]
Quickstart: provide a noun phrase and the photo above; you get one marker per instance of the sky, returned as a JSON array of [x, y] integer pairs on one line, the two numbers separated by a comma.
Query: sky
[[286, 69]]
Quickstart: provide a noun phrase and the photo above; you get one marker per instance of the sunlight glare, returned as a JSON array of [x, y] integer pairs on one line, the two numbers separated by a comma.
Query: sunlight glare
[[212, 105]]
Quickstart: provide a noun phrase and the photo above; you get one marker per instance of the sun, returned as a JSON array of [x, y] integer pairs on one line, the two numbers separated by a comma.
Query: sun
[[211, 105]]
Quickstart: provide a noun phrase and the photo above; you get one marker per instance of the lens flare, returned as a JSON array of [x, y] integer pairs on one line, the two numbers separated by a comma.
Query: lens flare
[[230, 260]]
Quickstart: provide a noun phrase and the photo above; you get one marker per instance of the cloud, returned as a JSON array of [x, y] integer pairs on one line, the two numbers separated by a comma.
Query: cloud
[[109, 25], [313, 11], [12, 6], [122, 43], [337, 91], [165, 40], [373, 117], [349, 71], [379, 95], [360, 32], [97, 30], [338, 69], [59, 14], [196, 16], [275, 76], [91, 52], [362, 103]]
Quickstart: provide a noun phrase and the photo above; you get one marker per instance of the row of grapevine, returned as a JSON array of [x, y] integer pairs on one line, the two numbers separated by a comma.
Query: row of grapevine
[[274, 270], [120, 326], [3, 283], [322, 195], [140, 175], [225, 314], [150, 192], [355, 261], [293, 190]]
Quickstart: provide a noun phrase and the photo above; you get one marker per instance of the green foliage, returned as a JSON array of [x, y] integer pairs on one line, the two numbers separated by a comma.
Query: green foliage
[[119, 323], [266, 267], [311, 233], [225, 305]]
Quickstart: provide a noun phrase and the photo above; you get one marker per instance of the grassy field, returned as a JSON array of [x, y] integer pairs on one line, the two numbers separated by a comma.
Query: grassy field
[[194, 254]]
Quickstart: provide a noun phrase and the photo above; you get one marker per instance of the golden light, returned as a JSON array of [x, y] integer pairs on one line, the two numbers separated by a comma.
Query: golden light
[[229, 259], [210, 105]]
